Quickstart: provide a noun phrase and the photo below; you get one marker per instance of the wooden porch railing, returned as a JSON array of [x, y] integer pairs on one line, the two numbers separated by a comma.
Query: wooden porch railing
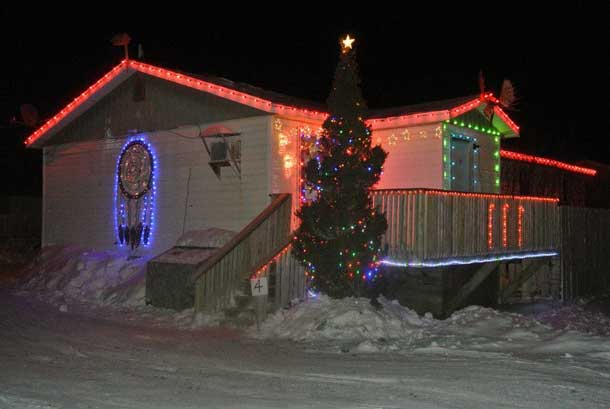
[[217, 279], [425, 224], [287, 274]]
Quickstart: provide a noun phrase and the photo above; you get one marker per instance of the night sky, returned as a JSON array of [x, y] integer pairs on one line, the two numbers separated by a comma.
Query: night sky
[[555, 57]]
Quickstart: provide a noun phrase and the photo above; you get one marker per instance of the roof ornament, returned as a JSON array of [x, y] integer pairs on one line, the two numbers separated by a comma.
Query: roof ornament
[[122, 39]]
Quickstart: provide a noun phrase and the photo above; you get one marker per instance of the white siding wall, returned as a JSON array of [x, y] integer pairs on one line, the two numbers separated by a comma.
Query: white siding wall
[[414, 157], [285, 179], [79, 187]]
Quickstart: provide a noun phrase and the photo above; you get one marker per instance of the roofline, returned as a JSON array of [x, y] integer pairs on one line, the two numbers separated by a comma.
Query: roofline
[[546, 162], [114, 78]]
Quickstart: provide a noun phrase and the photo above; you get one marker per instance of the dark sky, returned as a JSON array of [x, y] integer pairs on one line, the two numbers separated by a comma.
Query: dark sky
[[555, 56]]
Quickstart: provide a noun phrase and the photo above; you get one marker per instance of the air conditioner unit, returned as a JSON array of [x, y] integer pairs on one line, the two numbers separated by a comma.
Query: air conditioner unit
[[224, 148], [219, 152]]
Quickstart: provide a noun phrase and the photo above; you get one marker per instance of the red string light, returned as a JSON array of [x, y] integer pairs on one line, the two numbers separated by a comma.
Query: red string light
[[506, 119], [275, 258], [258, 103], [546, 162], [520, 226], [490, 225], [224, 92], [505, 208], [77, 102], [462, 194]]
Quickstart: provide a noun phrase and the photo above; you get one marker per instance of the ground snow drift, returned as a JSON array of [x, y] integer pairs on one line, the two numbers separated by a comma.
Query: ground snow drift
[[98, 277], [69, 275], [66, 274], [354, 325], [348, 319]]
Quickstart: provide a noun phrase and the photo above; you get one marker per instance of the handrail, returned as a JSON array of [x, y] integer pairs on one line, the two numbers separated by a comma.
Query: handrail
[[239, 237], [460, 193], [276, 252]]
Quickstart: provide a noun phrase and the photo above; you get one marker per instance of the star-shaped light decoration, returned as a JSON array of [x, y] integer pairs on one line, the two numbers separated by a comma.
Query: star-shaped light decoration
[[346, 43]]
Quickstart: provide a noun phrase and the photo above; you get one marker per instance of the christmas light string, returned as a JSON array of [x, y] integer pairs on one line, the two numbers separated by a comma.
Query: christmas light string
[[505, 208], [466, 260], [255, 102], [148, 211], [490, 225], [546, 162], [520, 226]]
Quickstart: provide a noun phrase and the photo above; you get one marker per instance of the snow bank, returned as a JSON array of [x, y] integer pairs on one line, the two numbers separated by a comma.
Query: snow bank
[[355, 325], [349, 319], [104, 277], [576, 317], [64, 274], [98, 277], [71, 277]]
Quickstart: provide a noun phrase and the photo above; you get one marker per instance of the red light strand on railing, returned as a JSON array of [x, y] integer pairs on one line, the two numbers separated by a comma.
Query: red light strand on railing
[[490, 225], [520, 226], [283, 251], [505, 209], [462, 194], [546, 162]]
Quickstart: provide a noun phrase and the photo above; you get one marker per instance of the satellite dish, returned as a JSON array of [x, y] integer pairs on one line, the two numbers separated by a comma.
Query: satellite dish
[[508, 96], [29, 114]]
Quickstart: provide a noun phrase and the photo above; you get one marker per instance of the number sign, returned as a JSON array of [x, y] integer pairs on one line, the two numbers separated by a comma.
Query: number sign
[[259, 286]]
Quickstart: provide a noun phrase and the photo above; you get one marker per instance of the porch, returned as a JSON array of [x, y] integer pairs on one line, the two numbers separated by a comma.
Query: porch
[[431, 228], [445, 249]]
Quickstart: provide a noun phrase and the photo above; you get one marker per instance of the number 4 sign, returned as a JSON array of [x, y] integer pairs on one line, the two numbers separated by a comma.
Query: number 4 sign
[[258, 286]]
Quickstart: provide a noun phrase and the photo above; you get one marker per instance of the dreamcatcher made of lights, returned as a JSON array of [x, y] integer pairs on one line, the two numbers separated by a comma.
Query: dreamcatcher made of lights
[[135, 194]]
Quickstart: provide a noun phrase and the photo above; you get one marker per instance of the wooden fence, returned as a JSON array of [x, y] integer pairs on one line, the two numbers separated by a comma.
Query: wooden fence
[[218, 278], [426, 224], [585, 251]]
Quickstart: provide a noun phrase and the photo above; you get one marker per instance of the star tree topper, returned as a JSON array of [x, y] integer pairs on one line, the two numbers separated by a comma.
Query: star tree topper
[[346, 43]]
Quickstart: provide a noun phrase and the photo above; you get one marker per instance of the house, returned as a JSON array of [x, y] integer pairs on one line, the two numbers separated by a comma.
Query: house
[[146, 154]]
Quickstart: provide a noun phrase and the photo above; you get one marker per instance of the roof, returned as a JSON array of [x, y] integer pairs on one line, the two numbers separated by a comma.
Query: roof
[[273, 96], [267, 101], [522, 157], [442, 105]]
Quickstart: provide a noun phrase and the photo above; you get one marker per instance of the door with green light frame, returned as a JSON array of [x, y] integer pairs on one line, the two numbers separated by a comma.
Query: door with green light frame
[[462, 159]]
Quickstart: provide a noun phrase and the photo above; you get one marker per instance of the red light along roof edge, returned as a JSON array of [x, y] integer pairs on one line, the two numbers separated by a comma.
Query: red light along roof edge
[[546, 162]]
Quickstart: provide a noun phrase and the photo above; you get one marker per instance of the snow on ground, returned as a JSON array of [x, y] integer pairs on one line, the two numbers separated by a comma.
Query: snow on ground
[[69, 273], [102, 283], [355, 325], [577, 317], [50, 359], [77, 334]]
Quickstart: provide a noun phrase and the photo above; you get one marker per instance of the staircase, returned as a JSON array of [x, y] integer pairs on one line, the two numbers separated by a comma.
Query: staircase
[[222, 281]]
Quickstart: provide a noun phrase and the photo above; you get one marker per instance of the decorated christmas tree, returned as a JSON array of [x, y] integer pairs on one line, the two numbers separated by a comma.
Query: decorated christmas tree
[[339, 238]]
